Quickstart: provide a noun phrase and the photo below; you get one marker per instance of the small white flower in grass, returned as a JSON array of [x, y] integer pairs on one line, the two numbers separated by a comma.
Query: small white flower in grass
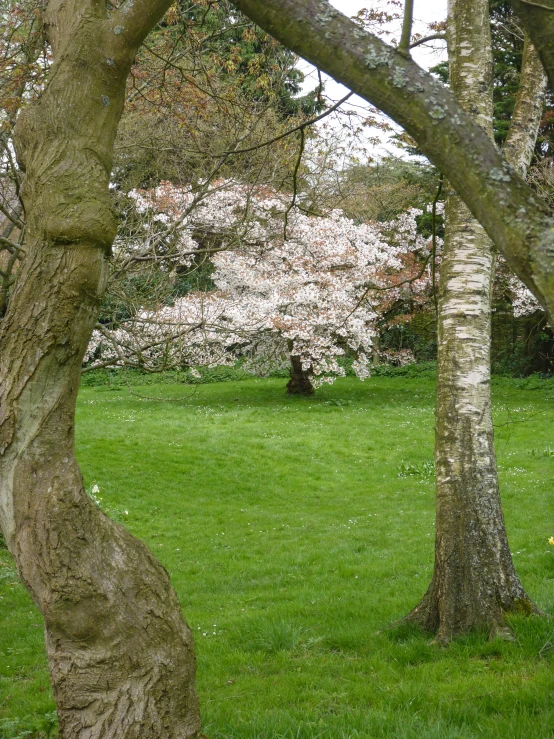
[[95, 489], [126, 513]]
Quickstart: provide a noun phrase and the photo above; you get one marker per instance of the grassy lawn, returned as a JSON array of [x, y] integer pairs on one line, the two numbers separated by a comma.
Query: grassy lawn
[[297, 532]]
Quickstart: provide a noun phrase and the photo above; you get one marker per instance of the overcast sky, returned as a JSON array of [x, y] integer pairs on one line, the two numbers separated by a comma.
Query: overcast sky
[[425, 11]]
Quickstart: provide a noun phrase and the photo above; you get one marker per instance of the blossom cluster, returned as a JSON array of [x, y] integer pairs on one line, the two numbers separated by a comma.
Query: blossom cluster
[[287, 283]]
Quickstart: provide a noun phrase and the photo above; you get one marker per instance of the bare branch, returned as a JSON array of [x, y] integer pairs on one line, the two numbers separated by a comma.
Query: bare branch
[[294, 182], [10, 215], [537, 5], [404, 45], [300, 127], [426, 39], [12, 247], [509, 210]]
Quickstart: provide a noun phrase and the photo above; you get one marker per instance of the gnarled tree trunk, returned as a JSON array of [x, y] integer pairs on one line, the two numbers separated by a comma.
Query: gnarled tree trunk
[[474, 582], [121, 657]]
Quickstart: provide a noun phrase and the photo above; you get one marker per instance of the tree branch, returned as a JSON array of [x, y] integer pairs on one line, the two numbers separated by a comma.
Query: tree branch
[[290, 131], [136, 18], [404, 46], [294, 182], [12, 217], [538, 20], [525, 121], [426, 39], [517, 221], [12, 247]]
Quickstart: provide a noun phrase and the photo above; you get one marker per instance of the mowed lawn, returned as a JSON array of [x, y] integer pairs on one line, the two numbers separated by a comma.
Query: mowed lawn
[[297, 533]]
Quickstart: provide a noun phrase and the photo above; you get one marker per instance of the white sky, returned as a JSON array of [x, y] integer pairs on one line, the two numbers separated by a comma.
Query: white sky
[[425, 11]]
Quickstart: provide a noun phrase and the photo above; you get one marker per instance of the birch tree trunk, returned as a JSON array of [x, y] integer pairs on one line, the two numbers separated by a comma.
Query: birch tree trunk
[[474, 582], [526, 118], [120, 655]]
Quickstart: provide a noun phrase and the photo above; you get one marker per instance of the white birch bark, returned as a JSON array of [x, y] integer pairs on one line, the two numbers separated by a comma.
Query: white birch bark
[[474, 582], [524, 126]]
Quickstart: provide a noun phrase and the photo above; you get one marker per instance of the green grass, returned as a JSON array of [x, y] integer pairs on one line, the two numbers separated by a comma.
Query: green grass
[[297, 532]]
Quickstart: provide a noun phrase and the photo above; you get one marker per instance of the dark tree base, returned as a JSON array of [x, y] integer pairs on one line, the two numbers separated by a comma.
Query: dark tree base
[[299, 383], [448, 617], [299, 387]]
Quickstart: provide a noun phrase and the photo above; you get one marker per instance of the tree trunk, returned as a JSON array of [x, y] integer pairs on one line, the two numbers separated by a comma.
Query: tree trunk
[[375, 351], [526, 118], [474, 582], [300, 382], [121, 657]]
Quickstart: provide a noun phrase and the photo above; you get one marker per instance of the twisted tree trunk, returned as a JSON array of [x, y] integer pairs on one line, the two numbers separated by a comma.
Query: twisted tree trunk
[[121, 657], [474, 581]]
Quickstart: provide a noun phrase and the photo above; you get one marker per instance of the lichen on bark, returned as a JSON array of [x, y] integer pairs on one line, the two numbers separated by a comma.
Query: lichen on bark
[[120, 654]]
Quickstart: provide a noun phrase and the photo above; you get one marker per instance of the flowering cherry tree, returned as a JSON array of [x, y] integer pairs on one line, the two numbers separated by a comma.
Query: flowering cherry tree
[[524, 303], [290, 287]]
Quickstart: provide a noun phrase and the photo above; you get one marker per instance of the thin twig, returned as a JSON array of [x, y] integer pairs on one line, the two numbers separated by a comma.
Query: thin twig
[[162, 400], [537, 5], [425, 39], [295, 182], [510, 422], [404, 45], [300, 127]]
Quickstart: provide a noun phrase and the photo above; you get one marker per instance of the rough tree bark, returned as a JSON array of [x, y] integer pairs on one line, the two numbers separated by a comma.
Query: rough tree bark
[[299, 383], [474, 582], [121, 657]]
